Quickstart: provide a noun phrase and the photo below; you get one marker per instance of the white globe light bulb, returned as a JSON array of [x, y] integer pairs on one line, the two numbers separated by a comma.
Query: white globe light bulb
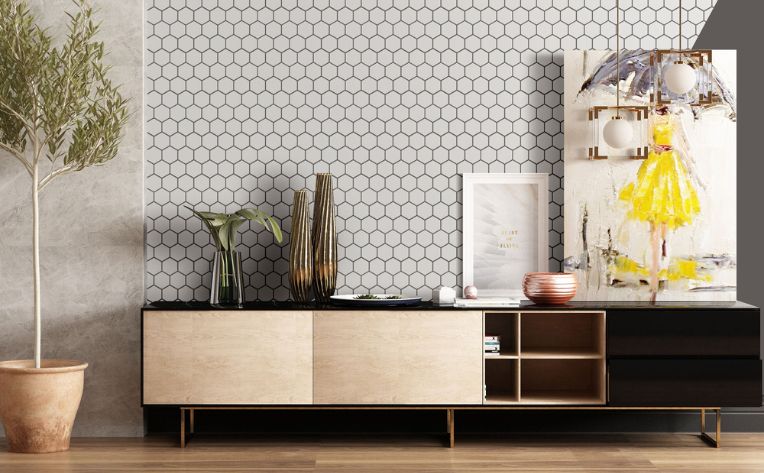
[[618, 133], [679, 77]]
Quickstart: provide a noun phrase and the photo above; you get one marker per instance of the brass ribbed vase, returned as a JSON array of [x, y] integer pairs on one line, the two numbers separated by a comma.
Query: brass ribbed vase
[[324, 240], [300, 250]]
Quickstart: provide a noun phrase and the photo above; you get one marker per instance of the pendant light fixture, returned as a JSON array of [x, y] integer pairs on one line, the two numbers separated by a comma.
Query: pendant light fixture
[[679, 76], [618, 131]]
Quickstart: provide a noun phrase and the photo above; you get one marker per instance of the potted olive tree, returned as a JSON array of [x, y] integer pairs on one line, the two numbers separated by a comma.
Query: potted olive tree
[[59, 114]]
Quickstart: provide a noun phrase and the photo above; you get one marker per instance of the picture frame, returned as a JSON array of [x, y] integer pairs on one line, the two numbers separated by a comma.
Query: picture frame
[[505, 230]]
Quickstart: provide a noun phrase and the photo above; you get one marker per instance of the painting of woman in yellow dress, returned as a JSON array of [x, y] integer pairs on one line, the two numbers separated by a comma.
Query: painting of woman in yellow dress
[[663, 194], [656, 220]]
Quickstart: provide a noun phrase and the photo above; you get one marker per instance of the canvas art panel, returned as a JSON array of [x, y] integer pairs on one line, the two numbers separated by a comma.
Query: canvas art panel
[[661, 225], [505, 230]]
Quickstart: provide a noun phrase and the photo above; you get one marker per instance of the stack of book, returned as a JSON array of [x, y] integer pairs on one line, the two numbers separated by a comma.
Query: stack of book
[[492, 345]]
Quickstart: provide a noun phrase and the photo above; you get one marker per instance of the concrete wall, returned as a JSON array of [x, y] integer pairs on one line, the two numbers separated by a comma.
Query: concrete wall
[[92, 248]]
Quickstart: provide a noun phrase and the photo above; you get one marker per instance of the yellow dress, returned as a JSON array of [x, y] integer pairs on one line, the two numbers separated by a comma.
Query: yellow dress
[[663, 192]]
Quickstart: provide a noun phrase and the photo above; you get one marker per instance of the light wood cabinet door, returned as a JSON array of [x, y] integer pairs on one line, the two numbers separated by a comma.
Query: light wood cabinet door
[[398, 357], [227, 357]]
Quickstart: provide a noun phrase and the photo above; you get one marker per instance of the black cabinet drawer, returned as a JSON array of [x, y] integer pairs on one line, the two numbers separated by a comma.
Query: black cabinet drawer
[[684, 383], [683, 334]]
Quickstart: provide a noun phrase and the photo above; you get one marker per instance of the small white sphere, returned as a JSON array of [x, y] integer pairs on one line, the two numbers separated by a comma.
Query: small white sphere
[[680, 78], [618, 133]]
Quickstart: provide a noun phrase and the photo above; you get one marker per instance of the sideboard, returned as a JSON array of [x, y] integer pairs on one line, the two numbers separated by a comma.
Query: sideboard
[[589, 356]]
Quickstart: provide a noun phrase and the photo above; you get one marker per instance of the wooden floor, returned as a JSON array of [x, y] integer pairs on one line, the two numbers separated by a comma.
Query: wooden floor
[[532, 453]]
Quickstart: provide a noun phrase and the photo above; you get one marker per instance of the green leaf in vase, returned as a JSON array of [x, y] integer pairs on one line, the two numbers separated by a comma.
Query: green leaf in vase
[[223, 227]]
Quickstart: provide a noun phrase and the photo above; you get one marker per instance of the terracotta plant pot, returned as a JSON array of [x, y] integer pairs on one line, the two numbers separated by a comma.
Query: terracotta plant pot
[[38, 406], [549, 288]]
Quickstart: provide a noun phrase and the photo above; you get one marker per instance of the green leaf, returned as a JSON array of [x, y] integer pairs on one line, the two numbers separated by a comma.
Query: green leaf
[[223, 238], [267, 221], [234, 225], [276, 230], [207, 215], [249, 214], [211, 227]]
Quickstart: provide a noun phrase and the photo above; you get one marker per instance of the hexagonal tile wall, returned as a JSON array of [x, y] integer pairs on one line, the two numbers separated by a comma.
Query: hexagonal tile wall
[[247, 99]]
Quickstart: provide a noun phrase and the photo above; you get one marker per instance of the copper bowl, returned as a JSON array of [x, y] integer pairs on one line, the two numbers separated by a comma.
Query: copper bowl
[[549, 288]]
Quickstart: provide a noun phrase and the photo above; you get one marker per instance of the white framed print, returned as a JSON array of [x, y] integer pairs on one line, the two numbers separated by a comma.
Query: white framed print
[[505, 230]]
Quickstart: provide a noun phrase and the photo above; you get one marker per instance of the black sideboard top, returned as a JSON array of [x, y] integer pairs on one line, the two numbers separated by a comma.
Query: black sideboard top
[[525, 306]]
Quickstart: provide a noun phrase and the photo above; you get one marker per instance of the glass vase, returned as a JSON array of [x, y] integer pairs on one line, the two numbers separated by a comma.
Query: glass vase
[[227, 288]]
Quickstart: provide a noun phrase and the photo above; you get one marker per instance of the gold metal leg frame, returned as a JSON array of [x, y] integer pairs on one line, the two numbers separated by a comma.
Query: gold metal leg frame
[[714, 442], [185, 438], [450, 417], [182, 428], [451, 428]]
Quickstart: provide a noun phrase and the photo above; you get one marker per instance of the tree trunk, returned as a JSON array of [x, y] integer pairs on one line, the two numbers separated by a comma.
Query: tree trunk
[[36, 265]]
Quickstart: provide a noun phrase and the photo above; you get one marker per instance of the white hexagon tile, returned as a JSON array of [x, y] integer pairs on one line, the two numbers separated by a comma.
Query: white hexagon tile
[[246, 100]]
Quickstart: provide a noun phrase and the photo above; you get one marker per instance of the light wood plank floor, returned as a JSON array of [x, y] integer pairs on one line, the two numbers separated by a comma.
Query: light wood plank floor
[[527, 453]]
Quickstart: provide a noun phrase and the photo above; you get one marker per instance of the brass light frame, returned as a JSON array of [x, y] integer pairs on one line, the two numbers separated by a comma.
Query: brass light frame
[[641, 113], [699, 58]]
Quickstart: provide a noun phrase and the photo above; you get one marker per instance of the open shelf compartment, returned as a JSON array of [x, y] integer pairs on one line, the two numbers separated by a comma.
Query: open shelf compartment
[[562, 382], [502, 378], [546, 358], [562, 335], [506, 326]]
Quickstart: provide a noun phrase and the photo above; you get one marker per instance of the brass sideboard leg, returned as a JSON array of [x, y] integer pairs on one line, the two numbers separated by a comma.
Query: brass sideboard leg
[[182, 428], [702, 420], [718, 428], [714, 442], [451, 428], [191, 421], [448, 421]]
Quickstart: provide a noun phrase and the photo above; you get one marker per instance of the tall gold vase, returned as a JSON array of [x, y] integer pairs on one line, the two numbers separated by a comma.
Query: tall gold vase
[[324, 240], [301, 249]]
